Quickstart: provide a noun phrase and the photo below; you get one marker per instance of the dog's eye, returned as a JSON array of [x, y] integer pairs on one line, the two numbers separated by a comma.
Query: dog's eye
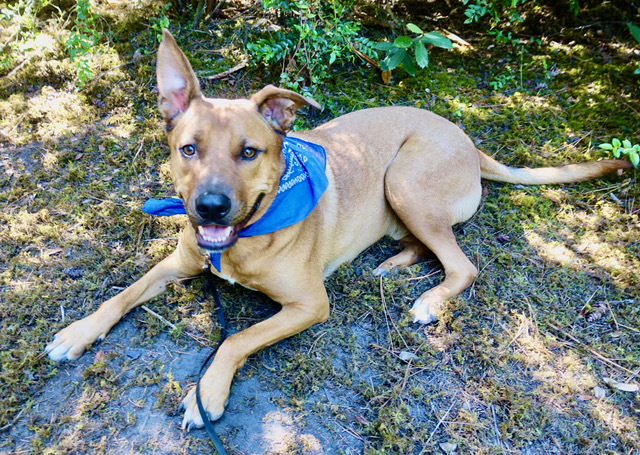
[[249, 153], [188, 150]]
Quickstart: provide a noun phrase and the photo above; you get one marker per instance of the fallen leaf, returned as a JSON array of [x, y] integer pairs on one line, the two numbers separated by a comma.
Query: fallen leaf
[[53, 251], [552, 197], [386, 77], [361, 419], [620, 385], [78, 156], [99, 356], [449, 447]]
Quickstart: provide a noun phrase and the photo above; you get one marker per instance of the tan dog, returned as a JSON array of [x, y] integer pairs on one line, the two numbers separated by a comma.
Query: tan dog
[[396, 171]]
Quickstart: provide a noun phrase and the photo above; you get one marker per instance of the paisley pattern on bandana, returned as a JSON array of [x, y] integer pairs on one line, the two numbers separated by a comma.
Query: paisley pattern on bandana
[[302, 184]]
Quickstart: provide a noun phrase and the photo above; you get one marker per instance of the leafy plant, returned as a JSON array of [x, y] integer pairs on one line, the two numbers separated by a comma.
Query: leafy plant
[[522, 46], [635, 32], [619, 148], [399, 52], [315, 36], [83, 38], [498, 9], [24, 14], [160, 22], [500, 81]]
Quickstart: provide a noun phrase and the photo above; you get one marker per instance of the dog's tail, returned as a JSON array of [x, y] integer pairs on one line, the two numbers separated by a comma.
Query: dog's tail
[[493, 170]]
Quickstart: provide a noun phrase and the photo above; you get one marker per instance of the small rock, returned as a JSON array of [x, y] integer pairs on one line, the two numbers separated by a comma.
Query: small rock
[[599, 392], [405, 355], [133, 353], [73, 272]]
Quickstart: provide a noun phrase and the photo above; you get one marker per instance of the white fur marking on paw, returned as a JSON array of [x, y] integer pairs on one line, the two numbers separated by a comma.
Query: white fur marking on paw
[[422, 314]]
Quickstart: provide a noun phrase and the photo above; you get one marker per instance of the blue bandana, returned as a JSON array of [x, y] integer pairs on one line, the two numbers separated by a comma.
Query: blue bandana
[[301, 185]]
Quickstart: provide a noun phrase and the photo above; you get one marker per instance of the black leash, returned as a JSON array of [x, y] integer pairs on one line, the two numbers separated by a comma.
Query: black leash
[[223, 334]]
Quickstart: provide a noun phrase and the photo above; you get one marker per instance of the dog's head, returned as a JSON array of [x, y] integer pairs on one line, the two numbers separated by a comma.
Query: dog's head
[[226, 159]]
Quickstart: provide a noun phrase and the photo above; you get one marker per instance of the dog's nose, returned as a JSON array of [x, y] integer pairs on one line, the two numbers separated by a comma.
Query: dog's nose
[[213, 207]]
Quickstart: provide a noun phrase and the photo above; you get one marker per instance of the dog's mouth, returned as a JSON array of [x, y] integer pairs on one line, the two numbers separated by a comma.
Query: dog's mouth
[[216, 239]]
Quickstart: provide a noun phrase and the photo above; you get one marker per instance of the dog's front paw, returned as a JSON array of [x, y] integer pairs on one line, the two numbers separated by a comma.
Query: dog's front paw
[[213, 405], [70, 342], [427, 308]]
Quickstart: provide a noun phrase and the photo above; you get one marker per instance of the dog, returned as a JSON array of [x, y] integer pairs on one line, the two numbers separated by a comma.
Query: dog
[[394, 171]]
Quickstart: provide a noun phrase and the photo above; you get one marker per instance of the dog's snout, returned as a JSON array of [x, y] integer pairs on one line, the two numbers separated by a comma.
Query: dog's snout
[[213, 207]]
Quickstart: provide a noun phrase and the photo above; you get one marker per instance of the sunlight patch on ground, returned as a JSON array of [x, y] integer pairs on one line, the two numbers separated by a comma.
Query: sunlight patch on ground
[[282, 437], [552, 251], [57, 113]]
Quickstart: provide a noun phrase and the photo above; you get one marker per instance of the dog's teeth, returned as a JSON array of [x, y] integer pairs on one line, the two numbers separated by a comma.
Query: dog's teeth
[[200, 231]]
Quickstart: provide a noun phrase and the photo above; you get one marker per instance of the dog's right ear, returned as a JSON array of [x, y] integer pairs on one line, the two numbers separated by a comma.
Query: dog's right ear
[[177, 83]]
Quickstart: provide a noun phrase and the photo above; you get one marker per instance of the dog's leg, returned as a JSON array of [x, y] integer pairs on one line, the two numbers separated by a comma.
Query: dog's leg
[[300, 310], [412, 252], [459, 272], [184, 262], [428, 198]]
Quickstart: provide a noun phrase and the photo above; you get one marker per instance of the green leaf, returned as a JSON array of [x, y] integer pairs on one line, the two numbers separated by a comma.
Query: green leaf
[[422, 56], [437, 39], [635, 31], [627, 144], [403, 42], [395, 59], [616, 152], [414, 28], [635, 159], [606, 146], [409, 65], [383, 46], [616, 142]]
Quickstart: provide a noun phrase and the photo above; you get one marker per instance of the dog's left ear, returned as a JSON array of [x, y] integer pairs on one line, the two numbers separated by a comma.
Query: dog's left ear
[[278, 106], [177, 83]]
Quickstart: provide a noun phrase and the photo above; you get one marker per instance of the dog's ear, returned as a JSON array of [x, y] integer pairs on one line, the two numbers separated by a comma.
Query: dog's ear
[[278, 106], [177, 83]]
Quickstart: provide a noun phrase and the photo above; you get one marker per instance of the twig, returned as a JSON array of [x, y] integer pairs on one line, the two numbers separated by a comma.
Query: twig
[[592, 351], [238, 67], [349, 430], [438, 426], [613, 315], [173, 326], [495, 426], [13, 422], [135, 60], [629, 328], [389, 318], [315, 342], [133, 162], [17, 68], [156, 315]]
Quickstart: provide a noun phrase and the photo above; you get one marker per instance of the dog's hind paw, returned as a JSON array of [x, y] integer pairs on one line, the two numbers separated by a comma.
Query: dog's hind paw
[[426, 309]]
